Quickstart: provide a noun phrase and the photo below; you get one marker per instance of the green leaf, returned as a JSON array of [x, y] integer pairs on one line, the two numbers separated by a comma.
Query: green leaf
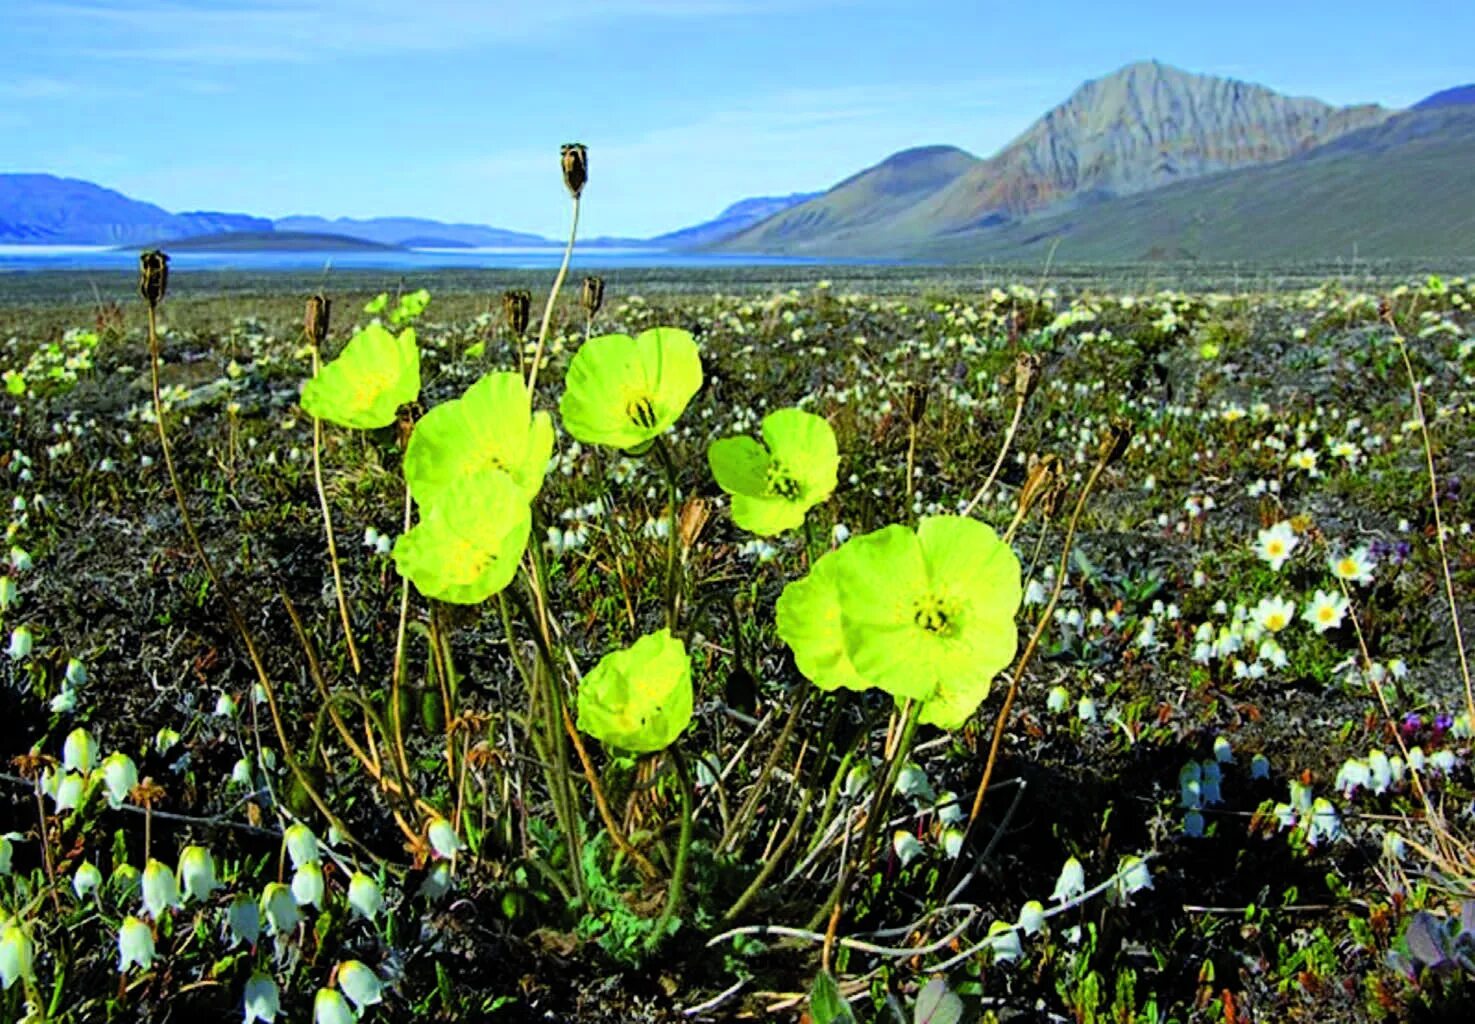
[[377, 304], [937, 1005], [409, 307], [825, 1004]]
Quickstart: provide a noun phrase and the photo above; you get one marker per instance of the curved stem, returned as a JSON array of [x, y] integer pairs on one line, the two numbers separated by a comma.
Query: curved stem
[[879, 802], [673, 595], [317, 476], [772, 863], [1449, 587], [568, 253], [397, 670], [683, 847], [998, 462]]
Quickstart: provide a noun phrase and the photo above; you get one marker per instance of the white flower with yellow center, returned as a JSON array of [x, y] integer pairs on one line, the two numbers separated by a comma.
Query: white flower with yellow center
[[1274, 613], [1304, 459], [1325, 611], [1355, 566], [1276, 544]]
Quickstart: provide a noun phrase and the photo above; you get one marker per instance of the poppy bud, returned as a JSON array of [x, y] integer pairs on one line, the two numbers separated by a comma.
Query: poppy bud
[[575, 167], [1026, 375], [1114, 442], [1044, 473], [318, 308], [593, 295], [153, 276], [916, 402], [517, 307]]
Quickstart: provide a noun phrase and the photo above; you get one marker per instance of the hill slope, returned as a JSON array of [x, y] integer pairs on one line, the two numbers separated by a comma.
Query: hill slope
[[1400, 188], [1459, 96], [1140, 128], [861, 206]]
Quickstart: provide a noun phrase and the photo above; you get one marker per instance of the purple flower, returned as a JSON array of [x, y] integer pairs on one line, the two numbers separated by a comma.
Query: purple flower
[[1411, 723], [1442, 723]]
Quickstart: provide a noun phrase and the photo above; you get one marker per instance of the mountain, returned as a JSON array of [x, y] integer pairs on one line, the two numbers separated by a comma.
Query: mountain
[[46, 210], [741, 214], [865, 205], [1140, 128], [407, 230], [1396, 189], [1459, 96]]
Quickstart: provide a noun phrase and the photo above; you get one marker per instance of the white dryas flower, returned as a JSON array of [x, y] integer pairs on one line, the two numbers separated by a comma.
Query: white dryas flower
[[1276, 544], [1274, 613], [1355, 566], [1325, 611]]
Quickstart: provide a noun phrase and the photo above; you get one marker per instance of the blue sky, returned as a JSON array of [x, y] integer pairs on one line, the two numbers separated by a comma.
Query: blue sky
[[455, 110]]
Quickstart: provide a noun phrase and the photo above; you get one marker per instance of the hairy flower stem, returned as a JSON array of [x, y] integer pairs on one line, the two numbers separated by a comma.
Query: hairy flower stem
[[911, 460], [546, 688], [772, 862], [1449, 587], [317, 476], [750, 805], [602, 804], [683, 848], [673, 590], [1041, 625], [568, 253], [46, 859], [880, 802], [396, 671], [232, 612]]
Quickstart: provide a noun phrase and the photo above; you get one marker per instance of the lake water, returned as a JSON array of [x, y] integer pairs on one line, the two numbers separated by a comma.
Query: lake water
[[88, 257]]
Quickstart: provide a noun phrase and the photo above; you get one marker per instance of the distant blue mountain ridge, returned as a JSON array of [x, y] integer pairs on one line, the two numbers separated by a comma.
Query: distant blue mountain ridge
[[44, 209]]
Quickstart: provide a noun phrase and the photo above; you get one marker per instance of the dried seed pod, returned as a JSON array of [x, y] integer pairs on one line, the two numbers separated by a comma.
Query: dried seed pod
[[1026, 375], [153, 276], [575, 158], [1055, 496], [316, 322], [692, 520], [916, 402], [517, 306], [593, 295], [1044, 475], [1115, 441]]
